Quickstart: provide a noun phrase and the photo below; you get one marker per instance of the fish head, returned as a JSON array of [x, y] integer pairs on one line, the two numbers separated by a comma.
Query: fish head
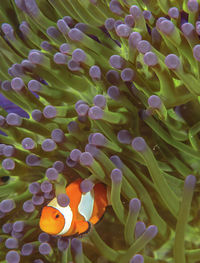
[[51, 220]]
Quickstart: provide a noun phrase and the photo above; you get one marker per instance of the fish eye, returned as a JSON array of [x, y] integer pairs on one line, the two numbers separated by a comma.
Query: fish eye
[[57, 216]]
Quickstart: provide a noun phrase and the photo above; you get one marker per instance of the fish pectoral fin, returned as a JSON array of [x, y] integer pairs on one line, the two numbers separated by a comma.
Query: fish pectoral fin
[[82, 226]]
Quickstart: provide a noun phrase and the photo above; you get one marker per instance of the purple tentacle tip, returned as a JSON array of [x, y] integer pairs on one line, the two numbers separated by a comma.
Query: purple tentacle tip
[[167, 27], [193, 6], [135, 12], [98, 139], [8, 164], [70, 162], [109, 23], [190, 182], [8, 150], [62, 244], [124, 137], [17, 235], [82, 109], [8, 31], [95, 113], [13, 257], [59, 166], [129, 20], [34, 188], [116, 7], [43, 237], [75, 34], [32, 160], [139, 229], [27, 249], [11, 243], [139, 144], [117, 62], [13, 119], [77, 246], [7, 205], [159, 21], [28, 206], [154, 102], [134, 38], [63, 200], [73, 65], [51, 173], [127, 74], [48, 145], [150, 59], [114, 92], [60, 58], [46, 187], [36, 115], [79, 55], [38, 199], [36, 57], [28, 143], [70, 22], [188, 29], [49, 112], [17, 84], [151, 231], [172, 61], [46, 45], [134, 205], [173, 12], [86, 185], [100, 101], [143, 46], [65, 48], [196, 52], [92, 149], [137, 259], [86, 159], [147, 15], [53, 32], [123, 31], [7, 228], [95, 72], [45, 249], [32, 7], [18, 226], [75, 155], [116, 175], [117, 161], [62, 26], [58, 135]]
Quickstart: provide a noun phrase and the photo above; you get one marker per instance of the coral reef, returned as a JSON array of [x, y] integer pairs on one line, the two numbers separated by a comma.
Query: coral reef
[[107, 91]]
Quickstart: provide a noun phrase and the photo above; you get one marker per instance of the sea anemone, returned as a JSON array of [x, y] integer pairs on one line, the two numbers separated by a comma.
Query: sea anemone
[[107, 91]]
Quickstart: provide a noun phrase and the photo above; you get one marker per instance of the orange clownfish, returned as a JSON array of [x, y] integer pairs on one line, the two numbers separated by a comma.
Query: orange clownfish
[[83, 210]]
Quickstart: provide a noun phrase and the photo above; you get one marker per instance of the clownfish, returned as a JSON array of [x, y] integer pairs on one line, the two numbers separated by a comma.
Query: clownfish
[[84, 210]]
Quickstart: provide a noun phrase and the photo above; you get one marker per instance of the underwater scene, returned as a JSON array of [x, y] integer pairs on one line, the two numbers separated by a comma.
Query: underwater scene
[[100, 131]]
